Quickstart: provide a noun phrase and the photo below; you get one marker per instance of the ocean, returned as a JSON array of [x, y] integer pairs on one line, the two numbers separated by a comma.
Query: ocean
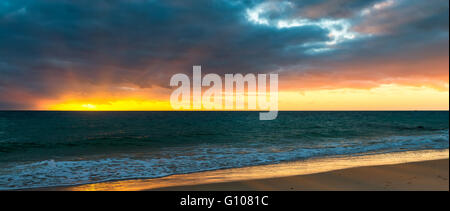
[[46, 148]]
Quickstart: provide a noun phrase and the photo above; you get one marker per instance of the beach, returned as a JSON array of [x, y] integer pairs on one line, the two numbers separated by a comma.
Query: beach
[[414, 176], [413, 170]]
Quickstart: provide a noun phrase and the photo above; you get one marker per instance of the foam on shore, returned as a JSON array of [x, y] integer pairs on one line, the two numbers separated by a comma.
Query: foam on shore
[[285, 169]]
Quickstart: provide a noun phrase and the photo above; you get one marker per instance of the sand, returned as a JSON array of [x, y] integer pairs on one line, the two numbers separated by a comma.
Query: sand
[[426, 175], [412, 170]]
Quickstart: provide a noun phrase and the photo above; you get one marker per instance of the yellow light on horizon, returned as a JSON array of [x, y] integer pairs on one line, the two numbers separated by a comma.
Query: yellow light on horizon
[[384, 97], [114, 105]]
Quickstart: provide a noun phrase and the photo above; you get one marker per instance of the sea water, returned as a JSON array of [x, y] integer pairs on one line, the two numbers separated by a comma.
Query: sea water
[[42, 149]]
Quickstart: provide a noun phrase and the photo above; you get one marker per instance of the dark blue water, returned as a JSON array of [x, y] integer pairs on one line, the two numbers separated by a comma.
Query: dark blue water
[[62, 148]]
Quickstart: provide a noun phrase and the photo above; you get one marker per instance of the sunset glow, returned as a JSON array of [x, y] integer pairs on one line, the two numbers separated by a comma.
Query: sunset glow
[[384, 97], [117, 105]]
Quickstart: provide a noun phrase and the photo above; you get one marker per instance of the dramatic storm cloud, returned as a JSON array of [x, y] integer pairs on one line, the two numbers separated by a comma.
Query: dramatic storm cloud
[[51, 49]]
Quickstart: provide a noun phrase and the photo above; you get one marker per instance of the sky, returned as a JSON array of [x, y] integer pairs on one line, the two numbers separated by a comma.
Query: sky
[[121, 54]]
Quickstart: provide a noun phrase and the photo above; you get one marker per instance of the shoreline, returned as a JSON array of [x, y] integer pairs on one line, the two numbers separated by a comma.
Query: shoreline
[[295, 172], [429, 175]]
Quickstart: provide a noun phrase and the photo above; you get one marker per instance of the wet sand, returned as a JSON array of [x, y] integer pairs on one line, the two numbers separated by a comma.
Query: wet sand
[[426, 175]]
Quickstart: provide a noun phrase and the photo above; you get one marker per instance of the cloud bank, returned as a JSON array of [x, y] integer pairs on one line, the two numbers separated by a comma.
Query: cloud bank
[[51, 48]]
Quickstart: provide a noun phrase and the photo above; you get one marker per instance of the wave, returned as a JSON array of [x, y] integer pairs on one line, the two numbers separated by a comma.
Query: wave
[[181, 160]]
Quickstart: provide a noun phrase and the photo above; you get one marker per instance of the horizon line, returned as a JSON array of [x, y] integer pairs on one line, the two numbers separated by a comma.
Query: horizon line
[[209, 110]]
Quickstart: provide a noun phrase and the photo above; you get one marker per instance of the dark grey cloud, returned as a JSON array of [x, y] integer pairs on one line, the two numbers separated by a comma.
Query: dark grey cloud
[[86, 35], [45, 45]]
